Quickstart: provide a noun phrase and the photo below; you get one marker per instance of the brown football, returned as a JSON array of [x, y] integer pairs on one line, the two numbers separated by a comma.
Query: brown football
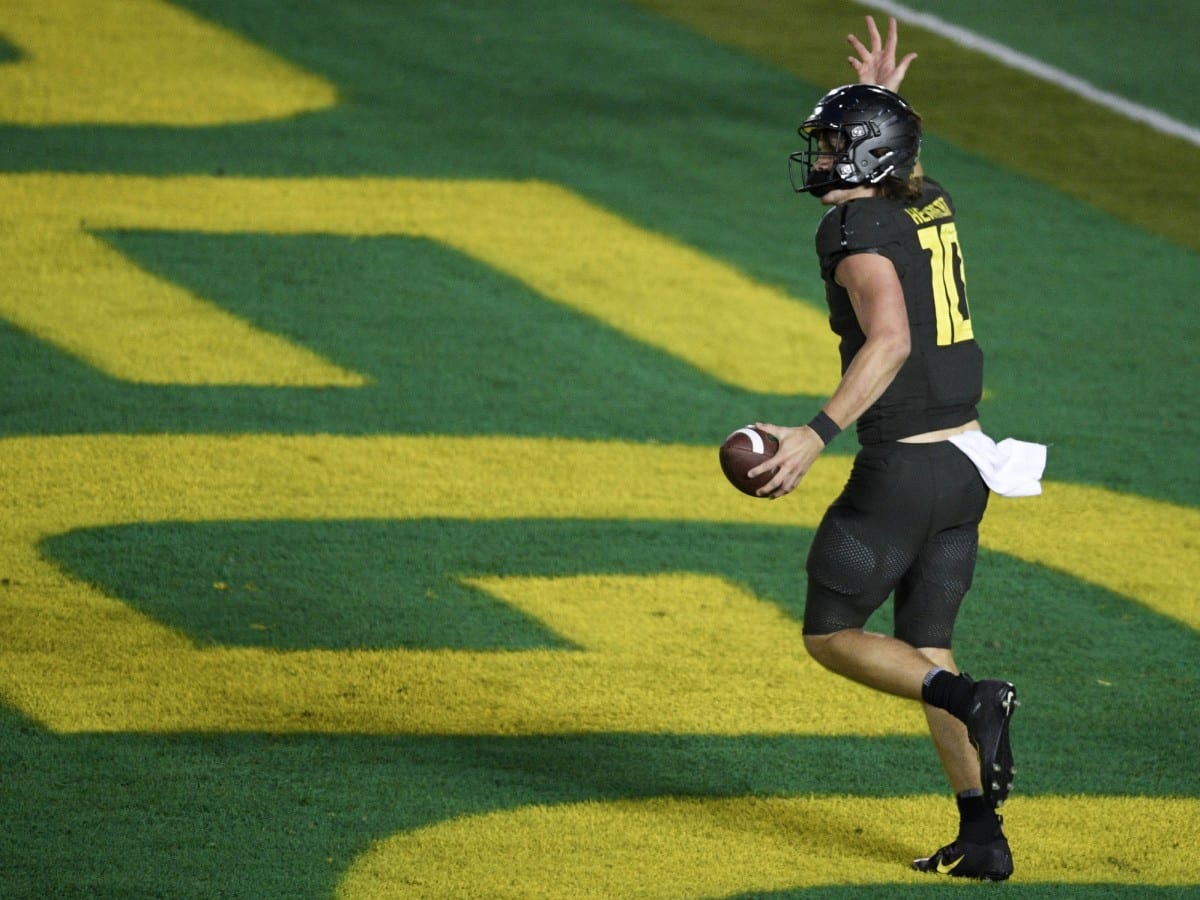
[[741, 452]]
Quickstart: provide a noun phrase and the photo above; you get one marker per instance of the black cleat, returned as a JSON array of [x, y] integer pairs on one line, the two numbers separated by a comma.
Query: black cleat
[[987, 862], [992, 705]]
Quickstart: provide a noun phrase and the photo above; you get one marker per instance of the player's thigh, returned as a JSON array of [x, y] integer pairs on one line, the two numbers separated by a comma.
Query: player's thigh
[[930, 595], [866, 541]]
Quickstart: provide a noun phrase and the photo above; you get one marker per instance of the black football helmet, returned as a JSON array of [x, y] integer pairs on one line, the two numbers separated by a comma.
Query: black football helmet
[[870, 133]]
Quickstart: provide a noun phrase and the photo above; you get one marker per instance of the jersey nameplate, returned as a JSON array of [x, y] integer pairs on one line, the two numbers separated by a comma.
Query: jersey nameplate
[[938, 209]]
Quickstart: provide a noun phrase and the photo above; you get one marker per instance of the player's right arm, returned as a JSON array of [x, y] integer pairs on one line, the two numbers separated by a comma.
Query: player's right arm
[[877, 297]]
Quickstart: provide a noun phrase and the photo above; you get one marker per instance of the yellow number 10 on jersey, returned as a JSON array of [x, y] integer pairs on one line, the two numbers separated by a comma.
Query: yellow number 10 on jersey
[[949, 283]]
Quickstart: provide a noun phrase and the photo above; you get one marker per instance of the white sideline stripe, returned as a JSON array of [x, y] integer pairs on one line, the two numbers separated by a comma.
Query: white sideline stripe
[[1010, 57]]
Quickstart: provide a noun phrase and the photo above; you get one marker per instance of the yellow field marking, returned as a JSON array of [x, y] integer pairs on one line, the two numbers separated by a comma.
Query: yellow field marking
[[68, 288], [1145, 550], [678, 848], [142, 62], [78, 660], [74, 291], [681, 653]]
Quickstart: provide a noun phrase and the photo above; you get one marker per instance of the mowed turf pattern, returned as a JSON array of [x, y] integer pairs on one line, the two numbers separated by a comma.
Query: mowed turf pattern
[[322, 656]]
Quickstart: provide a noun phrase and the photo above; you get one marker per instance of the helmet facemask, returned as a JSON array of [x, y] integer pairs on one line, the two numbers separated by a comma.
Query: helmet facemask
[[828, 146]]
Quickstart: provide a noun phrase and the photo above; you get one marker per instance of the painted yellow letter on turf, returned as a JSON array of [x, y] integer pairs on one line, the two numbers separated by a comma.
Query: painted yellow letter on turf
[[69, 288], [678, 848], [672, 652], [76, 292], [141, 62], [76, 659]]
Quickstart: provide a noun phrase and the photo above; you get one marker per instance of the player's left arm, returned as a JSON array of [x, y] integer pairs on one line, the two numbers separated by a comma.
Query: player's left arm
[[878, 300], [877, 64]]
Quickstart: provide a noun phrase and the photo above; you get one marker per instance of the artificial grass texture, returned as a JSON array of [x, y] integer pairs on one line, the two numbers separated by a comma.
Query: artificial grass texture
[[711, 144], [1067, 35], [1021, 122], [1083, 317], [365, 584]]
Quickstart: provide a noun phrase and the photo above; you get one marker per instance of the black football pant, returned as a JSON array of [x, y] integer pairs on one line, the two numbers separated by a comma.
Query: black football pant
[[906, 522]]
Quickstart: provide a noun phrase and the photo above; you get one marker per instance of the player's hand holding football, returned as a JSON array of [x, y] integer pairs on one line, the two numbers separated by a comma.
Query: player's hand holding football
[[798, 449]]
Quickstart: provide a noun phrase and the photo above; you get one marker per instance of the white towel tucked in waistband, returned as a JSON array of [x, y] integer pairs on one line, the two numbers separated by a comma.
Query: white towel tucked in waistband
[[1011, 468]]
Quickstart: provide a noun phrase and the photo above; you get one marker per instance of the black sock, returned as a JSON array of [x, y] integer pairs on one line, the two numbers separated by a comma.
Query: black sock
[[978, 823], [948, 691]]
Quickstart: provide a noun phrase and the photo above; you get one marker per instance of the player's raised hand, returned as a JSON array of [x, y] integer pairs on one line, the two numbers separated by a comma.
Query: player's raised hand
[[878, 65]]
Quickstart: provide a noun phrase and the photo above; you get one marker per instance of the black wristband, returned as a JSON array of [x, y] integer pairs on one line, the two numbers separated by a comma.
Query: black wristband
[[825, 427]]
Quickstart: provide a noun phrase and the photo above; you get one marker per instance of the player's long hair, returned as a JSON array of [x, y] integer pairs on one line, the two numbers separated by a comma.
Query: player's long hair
[[905, 190]]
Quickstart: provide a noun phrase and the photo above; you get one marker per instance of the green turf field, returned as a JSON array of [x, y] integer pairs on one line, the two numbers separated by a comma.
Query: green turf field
[[363, 536]]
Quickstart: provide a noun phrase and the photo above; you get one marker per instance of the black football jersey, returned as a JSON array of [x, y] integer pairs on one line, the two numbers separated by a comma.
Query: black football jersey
[[940, 384]]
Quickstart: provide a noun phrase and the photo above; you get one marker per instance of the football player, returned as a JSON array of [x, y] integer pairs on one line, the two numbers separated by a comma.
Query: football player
[[907, 522]]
